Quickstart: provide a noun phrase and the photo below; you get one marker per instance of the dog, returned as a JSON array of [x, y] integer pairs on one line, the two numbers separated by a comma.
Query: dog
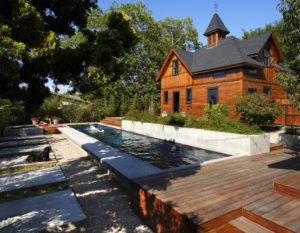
[[39, 157]]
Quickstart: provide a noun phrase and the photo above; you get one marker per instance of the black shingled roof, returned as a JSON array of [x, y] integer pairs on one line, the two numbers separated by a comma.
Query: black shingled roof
[[229, 51], [255, 44], [216, 24]]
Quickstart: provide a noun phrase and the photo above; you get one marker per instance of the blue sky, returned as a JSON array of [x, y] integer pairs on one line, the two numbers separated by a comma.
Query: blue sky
[[236, 14]]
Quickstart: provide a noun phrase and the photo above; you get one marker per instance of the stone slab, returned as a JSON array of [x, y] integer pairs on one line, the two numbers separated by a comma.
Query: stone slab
[[19, 143], [16, 138], [39, 213], [129, 166], [14, 161], [19, 180], [22, 150], [22, 131]]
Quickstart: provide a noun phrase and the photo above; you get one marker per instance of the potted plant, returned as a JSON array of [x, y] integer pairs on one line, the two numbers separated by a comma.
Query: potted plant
[[55, 120], [35, 121]]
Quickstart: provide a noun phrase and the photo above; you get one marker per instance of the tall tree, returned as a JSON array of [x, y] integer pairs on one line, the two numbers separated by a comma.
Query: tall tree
[[290, 11], [137, 86], [30, 50]]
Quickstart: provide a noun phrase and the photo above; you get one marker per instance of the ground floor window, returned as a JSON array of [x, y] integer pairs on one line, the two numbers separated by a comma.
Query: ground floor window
[[212, 95], [267, 90], [166, 97], [188, 95], [252, 90]]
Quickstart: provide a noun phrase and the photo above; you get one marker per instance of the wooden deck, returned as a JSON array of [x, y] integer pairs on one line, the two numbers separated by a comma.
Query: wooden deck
[[228, 196]]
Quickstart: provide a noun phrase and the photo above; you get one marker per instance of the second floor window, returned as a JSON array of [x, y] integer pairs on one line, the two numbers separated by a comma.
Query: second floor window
[[175, 67], [252, 90], [266, 55], [219, 74]]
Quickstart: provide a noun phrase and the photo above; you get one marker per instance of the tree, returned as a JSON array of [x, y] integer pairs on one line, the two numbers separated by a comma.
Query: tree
[[136, 87], [30, 50], [290, 83], [29, 32]]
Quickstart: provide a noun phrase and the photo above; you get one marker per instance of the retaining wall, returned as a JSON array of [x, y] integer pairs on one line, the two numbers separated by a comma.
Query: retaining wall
[[228, 143]]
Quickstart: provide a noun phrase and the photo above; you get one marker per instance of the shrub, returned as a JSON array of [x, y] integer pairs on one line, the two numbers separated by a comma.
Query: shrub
[[257, 109], [143, 116], [175, 119], [50, 107], [216, 111], [5, 113]]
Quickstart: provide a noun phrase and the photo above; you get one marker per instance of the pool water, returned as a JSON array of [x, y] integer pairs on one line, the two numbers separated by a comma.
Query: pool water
[[160, 153]]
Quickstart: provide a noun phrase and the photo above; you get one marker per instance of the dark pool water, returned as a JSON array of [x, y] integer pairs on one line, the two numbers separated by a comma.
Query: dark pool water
[[158, 152]]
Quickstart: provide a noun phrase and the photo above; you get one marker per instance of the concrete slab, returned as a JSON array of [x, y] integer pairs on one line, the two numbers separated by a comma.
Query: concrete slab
[[129, 166], [14, 161], [27, 179], [40, 213], [16, 138], [22, 150], [19, 143], [22, 131]]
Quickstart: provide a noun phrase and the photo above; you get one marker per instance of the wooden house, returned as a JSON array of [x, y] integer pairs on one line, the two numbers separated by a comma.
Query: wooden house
[[219, 71]]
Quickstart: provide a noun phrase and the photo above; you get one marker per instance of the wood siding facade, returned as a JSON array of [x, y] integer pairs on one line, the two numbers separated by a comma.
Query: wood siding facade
[[235, 81]]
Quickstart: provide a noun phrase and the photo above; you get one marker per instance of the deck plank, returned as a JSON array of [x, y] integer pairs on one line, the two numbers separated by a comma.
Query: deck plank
[[208, 194]]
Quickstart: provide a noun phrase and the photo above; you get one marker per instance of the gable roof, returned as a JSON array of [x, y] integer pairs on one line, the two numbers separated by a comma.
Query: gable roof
[[216, 24], [228, 52], [255, 44]]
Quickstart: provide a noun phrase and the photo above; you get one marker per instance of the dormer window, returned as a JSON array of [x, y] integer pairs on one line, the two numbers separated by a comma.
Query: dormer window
[[266, 55], [175, 67]]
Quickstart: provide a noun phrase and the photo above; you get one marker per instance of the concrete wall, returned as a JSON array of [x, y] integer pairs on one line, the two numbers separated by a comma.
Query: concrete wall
[[228, 143], [286, 140]]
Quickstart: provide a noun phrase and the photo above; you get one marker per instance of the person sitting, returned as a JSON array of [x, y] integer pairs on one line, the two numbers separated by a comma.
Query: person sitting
[[43, 124]]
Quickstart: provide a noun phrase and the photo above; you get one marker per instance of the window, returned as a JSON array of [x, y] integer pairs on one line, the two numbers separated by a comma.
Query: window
[[212, 95], [266, 55], [188, 95], [267, 90], [219, 74], [175, 67], [214, 38], [252, 90], [253, 71], [166, 97]]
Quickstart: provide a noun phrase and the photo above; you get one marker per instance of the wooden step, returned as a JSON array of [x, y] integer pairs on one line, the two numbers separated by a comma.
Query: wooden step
[[241, 225], [275, 146], [288, 185], [115, 121]]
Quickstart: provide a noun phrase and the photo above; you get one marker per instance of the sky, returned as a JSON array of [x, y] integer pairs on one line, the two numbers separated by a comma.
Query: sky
[[235, 14]]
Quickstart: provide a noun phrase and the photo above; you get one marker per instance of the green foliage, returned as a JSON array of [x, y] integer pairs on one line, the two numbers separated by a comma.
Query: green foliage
[[220, 123], [291, 85], [29, 46], [257, 109], [142, 116], [175, 119], [75, 113], [50, 107], [6, 116], [216, 111], [291, 17]]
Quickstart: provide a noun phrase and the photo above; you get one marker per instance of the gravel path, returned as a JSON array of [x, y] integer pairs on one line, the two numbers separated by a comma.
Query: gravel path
[[106, 207]]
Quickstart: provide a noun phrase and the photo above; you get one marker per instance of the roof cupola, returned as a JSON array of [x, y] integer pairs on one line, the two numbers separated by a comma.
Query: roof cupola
[[215, 31]]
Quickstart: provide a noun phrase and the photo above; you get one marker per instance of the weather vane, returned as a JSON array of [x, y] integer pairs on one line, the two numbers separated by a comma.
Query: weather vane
[[216, 7]]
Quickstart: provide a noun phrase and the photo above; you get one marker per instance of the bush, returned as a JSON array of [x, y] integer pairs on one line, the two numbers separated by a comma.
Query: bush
[[257, 109], [6, 116], [216, 111], [143, 116], [175, 119], [50, 107]]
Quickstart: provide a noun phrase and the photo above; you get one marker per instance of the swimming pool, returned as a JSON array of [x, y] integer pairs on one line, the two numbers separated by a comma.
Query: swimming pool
[[160, 153]]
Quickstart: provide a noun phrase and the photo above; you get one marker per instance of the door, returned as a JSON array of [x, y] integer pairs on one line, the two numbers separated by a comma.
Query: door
[[176, 101], [212, 95]]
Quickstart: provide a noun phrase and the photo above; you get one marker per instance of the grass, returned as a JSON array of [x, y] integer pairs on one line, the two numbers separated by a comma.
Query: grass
[[32, 191], [27, 167], [216, 123]]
